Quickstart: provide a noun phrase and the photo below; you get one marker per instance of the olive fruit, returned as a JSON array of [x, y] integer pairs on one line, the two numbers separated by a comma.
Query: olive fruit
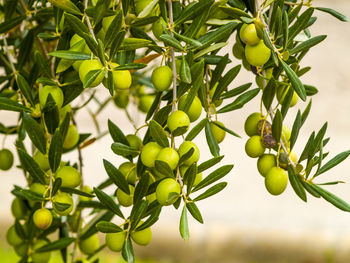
[[140, 5], [76, 39], [198, 178], [265, 163], [178, 122], [145, 103], [22, 249], [6, 159], [72, 137], [257, 55], [195, 109], [125, 199], [276, 181], [184, 148], [251, 124], [158, 27], [248, 35], [142, 237], [42, 160], [135, 142], [162, 77], [18, 208], [128, 169], [40, 257], [88, 246], [254, 147], [115, 241], [149, 153], [121, 99], [62, 198], [70, 176], [168, 191], [56, 93], [286, 133], [218, 133], [217, 102], [12, 237], [38, 188], [281, 94], [42, 218], [90, 65], [88, 190], [169, 156], [121, 78]]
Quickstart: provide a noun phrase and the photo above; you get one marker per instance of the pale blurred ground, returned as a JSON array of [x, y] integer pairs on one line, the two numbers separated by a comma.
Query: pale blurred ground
[[244, 222]]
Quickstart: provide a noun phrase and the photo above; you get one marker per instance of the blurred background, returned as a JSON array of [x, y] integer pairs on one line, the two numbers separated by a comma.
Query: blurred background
[[243, 223]]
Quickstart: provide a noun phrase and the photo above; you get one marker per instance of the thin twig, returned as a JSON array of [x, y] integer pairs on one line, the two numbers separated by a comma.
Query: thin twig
[[88, 21]]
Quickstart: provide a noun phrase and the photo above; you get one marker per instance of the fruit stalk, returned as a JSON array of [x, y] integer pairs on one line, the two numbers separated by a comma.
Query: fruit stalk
[[172, 54]]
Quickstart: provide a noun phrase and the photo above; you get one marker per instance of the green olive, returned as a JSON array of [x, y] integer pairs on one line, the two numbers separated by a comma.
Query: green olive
[[12, 237], [169, 156], [90, 65], [254, 147], [218, 133], [70, 176], [158, 27], [257, 55], [142, 237], [18, 208], [121, 99], [168, 191], [121, 78], [178, 122], [195, 109], [125, 199], [145, 103], [115, 241], [56, 93], [128, 169], [251, 124], [135, 142], [149, 153], [40, 257], [72, 137], [6, 159], [90, 245], [281, 94], [42, 218], [276, 181], [162, 77], [265, 163], [62, 198], [248, 35], [184, 148]]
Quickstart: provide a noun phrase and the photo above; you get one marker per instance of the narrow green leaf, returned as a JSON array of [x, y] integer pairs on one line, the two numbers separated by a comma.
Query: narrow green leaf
[[76, 24], [209, 49], [295, 130], [151, 220], [235, 91], [56, 245], [277, 126], [67, 6], [211, 191], [25, 89], [193, 10], [113, 29], [305, 153], [108, 202], [296, 184], [214, 176], [194, 211], [219, 69], [75, 191], [334, 13], [116, 133], [196, 130], [192, 42], [306, 112], [184, 231], [158, 134], [296, 83], [333, 162], [10, 105], [212, 143], [35, 132], [185, 71], [55, 151], [90, 77], [108, 227], [137, 213], [308, 44], [71, 55], [134, 43], [300, 24], [225, 81], [171, 41], [163, 168], [11, 23], [226, 129], [128, 251], [210, 163], [285, 29], [240, 101], [116, 176], [118, 40], [141, 188]]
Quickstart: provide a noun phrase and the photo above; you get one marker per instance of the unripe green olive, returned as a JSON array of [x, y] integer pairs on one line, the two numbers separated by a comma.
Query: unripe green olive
[[217, 102], [22, 249], [64, 110], [70, 176], [149, 153], [168, 191], [257, 55], [169, 156], [158, 27], [178, 122], [218, 133], [238, 50], [248, 35], [38, 188], [12, 237], [142, 237], [87, 66], [88, 190], [75, 39], [42, 160], [251, 124], [276, 181], [254, 147], [106, 22], [56, 93], [145, 103], [128, 169], [125, 199], [162, 77], [135, 142], [121, 99], [42, 218], [72, 137], [6, 159], [197, 180], [281, 94], [115, 241], [195, 110], [40, 257], [18, 208], [121, 78], [140, 5], [88, 246], [265, 163], [79, 46], [286, 132], [185, 147], [63, 198]]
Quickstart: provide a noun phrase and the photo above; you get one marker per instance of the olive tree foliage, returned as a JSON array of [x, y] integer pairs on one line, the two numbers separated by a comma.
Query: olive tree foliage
[[55, 55]]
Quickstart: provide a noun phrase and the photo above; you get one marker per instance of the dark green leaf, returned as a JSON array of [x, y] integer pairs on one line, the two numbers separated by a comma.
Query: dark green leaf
[[193, 10], [116, 133], [196, 130], [211, 191], [212, 143], [75, 191], [108, 202], [67, 6], [333, 162], [134, 43], [207, 164], [10, 105], [295, 130], [137, 213], [171, 41], [194, 211], [300, 24], [90, 77], [240, 101], [214, 176], [235, 91], [296, 83], [184, 231], [225, 81], [306, 112], [25, 89], [158, 134], [35, 132], [308, 44], [56, 245], [123, 150], [334, 13], [296, 184], [151, 220], [55, 151], [108, 227], [277, 126], [141, 188], [226, 129], [11, 23], [164, 168], [185, 72], [116, 176], [219, 69], [128, 251], [113, 29]]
